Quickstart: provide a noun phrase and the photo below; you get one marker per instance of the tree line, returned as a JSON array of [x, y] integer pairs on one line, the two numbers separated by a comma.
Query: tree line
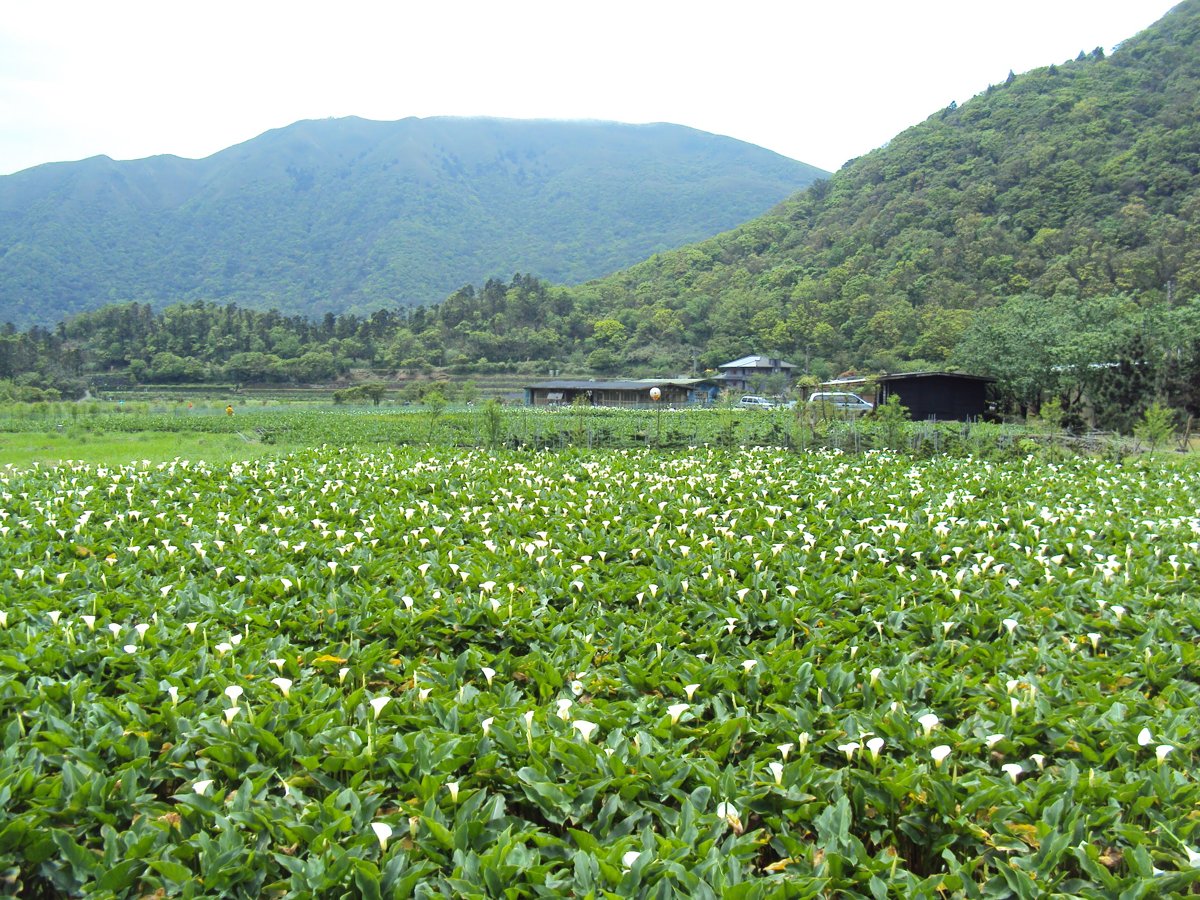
[[1103, 360]]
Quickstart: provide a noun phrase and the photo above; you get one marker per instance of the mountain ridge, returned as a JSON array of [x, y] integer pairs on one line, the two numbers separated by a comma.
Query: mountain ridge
[[354, 214], [1074, 180]]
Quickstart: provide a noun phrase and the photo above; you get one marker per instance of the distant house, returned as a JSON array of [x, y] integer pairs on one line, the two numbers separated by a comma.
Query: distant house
[[927, 395], [737, 375], [672, 392]]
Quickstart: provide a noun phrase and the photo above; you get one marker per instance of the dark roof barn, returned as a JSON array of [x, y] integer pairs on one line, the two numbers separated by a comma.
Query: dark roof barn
[[938, 395]]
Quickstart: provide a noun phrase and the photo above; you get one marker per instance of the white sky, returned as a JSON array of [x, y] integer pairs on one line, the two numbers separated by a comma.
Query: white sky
[[821, 82]]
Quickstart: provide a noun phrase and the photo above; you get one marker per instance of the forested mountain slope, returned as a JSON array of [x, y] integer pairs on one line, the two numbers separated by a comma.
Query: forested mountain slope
[[1071, 189], [353, 215]]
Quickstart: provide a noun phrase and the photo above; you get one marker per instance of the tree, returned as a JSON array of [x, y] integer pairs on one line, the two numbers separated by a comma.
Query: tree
[[890, 416], [603, 360], [609, 334], [1016, 343], [493, 422], [1156, 426], [435, 404], [770, 385], [169, 367], [254, 366], [313, 366], [373, 391]]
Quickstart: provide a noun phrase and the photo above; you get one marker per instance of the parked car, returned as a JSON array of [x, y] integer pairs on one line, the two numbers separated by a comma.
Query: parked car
[[840, 401], [749, 402]]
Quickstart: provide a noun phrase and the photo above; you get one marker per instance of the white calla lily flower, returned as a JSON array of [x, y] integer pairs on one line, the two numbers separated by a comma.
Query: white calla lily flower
[[383, 831]]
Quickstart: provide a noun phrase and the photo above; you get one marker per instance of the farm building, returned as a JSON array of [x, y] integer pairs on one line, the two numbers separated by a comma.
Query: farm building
[[736, 376], [927, 395], [673, 392], [938, 395]]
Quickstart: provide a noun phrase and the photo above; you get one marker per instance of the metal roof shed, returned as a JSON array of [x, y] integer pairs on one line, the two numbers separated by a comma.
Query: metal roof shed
[[938, 395], [672, 392]]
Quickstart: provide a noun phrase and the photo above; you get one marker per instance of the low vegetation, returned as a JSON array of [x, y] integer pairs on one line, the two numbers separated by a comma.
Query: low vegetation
[[114, 433]]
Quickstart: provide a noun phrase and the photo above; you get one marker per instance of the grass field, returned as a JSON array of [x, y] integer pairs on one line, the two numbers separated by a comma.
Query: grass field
[[24, 449]]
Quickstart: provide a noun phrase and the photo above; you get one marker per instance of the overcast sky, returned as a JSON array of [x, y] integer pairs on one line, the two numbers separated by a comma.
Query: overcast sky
[[818, 81]]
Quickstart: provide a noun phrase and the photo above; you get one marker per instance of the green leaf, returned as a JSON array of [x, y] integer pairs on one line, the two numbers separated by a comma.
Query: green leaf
[[833, 827], [441, 834], [583, 840], [172, 870], [366, 879], [1018, 882], [552, 800], [83, 863], [121, 876]]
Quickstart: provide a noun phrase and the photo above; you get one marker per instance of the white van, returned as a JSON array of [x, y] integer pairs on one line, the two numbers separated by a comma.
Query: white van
[[749, 402], [840, 401]]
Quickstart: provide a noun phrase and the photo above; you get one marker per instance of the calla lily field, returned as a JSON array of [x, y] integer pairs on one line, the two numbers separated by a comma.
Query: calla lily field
[[705, 672]]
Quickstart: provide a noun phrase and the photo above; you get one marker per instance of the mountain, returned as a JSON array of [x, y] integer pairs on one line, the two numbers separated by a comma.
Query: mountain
[[1066, 198], [352, 215]]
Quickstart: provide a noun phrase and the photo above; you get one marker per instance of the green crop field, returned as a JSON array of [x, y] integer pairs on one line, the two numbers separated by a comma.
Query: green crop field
[[398, 671], [111, 434]]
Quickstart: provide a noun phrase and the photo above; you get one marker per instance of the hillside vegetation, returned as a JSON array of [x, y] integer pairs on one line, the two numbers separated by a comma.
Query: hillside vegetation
[[1071, 189], [351, 215]]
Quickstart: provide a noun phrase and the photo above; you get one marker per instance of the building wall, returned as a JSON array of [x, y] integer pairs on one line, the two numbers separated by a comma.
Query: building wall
[[939, 397], [739, 379], [671, 396]]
